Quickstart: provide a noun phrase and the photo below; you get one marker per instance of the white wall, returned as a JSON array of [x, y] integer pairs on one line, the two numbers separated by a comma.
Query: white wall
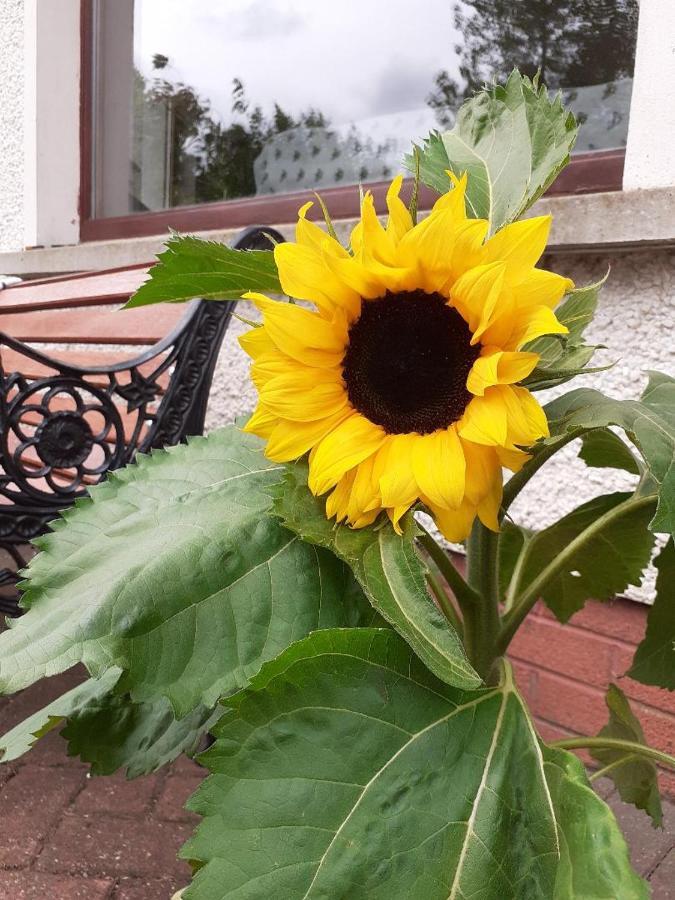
[[11, 124]]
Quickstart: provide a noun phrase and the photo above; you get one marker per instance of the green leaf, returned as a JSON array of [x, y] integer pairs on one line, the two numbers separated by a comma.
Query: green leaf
[[389, 570], [175, 572], [509, 548], [512, 140], [116, 733], [23, 736], [603, 449], [648, 422], [564, 356], [603, 567], [191, 267], [634, 776], [654, 660], [349, 770]]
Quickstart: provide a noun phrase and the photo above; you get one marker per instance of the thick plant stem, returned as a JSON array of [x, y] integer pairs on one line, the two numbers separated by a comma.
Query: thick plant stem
[[602, 743], [524, 603], [481, 622]]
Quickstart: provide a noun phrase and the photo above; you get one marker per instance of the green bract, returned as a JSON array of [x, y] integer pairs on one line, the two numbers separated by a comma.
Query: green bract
[[370, 741]]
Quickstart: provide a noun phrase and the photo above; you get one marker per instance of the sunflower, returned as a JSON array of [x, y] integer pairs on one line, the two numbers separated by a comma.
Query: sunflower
[[401, 380]]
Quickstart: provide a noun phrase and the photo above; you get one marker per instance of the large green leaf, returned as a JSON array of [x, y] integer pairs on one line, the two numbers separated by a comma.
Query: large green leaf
[[511, 139], [603, 567], [389, 570], [191, 267], [648, 422], [23, 736], [562, 356], [349, 770], [654, 660], [634, 776], [175, 572], [603, 449]]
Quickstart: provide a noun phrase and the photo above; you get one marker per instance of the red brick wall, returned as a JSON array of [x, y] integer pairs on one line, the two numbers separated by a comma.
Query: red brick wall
[[564, 670]]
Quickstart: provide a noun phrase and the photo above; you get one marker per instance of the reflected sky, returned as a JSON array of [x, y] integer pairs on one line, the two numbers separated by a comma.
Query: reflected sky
[[352, 60]]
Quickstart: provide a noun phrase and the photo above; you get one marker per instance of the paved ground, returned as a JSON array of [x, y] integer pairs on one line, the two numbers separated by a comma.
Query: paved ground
[[67, 836]]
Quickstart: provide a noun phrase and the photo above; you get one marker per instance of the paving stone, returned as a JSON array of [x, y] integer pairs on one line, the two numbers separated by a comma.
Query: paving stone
[[647, 845], [174, 796], [186, 766], [40, 886], [30, 804], [142, 889], [116, 795], [604, 787], [663, 879], [110, 846]]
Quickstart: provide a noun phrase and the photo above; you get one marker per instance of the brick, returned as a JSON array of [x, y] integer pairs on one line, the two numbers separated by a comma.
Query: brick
[[663, 879], [622, 619], [116, 795], [42, 886], [648, 845], [186, 766], [174, 796], [104, 845], [146, 889], [31, 803], [564, 649], [568, 703]]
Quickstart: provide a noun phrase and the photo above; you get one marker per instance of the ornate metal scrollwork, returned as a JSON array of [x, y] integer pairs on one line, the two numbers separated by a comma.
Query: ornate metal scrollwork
[[63, 433]]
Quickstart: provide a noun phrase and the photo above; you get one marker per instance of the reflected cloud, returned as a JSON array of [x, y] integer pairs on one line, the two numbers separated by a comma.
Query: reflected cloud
[[260, 19]]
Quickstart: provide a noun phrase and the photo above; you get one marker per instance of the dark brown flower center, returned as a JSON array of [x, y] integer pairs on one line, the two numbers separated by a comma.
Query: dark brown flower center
[[407, 362]]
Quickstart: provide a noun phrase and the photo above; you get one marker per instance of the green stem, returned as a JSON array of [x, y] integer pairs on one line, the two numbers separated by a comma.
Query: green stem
[[517, 482], [613, 765], [466, 596], [532, 592], [481, 621], [602, 743], [445, 602], [518, 569]]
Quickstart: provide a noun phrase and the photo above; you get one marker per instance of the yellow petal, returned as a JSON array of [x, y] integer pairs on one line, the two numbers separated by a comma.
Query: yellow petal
[[526, 420], [376, 243], [542, 288], [398, 486], [261, 423], [519, 245], [291, 440], [484, 419], [483, 468], [439, 467], [304, 275], [395, 514], [365, 494], [256, 342], [269, 365], [476, 296], [304, 395], [303, 334], [400, 220], [352, 441], [309, 234], [455, 198], [338, 500], [488, 507], [533, 323], [495, 366], [512, 459], [454, 524]]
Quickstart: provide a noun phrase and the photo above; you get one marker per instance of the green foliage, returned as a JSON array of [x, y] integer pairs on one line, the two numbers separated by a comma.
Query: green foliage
[[634, 776], [23, 736], [191, 267], [654, 661], [343, 771], [511, 139], [390, 571], [157, 573], [602, 567], [562, 356], [603, 449], [648, 422]]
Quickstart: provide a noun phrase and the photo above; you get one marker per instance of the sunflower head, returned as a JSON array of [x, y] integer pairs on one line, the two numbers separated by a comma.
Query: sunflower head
[[401, 380]]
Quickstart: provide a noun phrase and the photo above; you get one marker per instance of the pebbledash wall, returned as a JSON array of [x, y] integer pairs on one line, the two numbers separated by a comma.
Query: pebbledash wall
[[563, 671]]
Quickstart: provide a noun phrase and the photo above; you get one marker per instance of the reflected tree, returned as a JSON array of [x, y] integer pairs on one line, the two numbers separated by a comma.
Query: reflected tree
[[571, 43]]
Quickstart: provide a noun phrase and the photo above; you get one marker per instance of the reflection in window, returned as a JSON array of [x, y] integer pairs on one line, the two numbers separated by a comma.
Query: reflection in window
[[197, 102]]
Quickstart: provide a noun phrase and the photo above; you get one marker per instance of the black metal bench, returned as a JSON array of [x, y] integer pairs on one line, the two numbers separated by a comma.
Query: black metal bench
[[69, 417]]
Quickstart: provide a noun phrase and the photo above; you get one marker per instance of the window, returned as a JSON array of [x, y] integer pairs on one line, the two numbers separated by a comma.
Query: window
[[210, 115]]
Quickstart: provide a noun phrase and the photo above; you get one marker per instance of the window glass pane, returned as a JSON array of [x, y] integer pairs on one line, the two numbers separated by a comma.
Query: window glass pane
[[198, 102]]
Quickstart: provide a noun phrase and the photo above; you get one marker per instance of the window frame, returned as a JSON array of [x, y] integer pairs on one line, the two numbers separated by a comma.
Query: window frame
[[597, 171]]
